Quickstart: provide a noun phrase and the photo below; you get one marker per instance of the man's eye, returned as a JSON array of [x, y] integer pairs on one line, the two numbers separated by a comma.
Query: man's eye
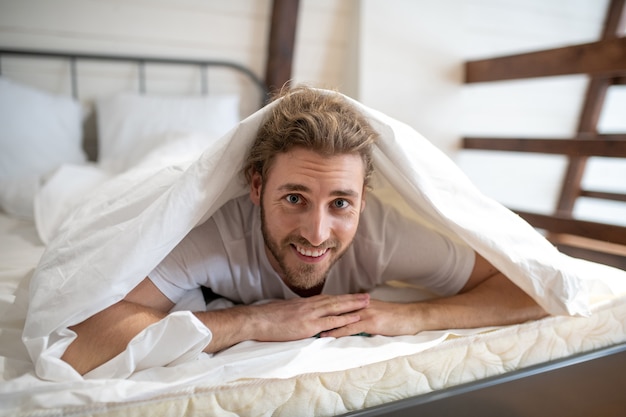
[[293, 198], [341, 203]]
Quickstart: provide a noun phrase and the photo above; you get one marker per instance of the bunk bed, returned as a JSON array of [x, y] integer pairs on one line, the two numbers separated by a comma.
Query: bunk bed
[[563, 364]]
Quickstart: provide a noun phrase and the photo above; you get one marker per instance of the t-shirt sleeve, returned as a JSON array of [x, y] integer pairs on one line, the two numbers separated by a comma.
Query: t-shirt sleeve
[[185, 268], [414, 253]]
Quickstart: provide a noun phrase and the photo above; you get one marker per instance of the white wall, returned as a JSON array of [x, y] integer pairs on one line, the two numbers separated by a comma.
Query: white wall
[[324, 39], [410, 66]]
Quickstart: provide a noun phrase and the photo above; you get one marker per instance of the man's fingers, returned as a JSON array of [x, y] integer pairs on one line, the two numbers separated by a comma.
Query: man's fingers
[[339, 312], [305, 317], [335, 322], [343, 304], [346, 330]]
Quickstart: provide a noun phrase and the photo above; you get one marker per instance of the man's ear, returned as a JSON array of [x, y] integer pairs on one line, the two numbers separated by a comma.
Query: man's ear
[[256, 183]]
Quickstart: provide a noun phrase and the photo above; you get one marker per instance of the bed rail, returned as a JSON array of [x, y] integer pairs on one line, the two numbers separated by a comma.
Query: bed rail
[[141, 62]]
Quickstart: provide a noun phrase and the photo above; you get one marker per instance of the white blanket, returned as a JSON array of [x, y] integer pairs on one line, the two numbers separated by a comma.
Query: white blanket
[[117, 237]]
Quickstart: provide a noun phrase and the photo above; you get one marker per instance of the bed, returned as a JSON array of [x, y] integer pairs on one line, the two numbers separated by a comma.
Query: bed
[[460, 371]]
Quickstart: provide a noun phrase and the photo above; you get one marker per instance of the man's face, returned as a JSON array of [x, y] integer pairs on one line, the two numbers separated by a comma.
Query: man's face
[[310, 209]]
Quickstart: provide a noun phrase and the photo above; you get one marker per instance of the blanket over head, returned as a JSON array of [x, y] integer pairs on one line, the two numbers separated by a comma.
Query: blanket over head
[[114, 240]]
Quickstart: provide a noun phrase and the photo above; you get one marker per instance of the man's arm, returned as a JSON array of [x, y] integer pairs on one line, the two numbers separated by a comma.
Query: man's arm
[[487, 299], [107, 333]]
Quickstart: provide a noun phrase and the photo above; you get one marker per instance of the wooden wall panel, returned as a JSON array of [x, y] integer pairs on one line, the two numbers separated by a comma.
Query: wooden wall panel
[[187, 28]]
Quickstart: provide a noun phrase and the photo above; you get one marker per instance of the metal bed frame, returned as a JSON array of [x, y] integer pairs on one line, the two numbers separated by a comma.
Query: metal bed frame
[[141, 62], [587, 384]]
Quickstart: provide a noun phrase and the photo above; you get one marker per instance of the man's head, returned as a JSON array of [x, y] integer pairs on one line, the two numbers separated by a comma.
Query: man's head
[[308, 170], [318, 120]]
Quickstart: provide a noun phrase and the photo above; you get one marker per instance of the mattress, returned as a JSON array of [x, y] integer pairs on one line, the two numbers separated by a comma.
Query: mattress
[[340, 376]]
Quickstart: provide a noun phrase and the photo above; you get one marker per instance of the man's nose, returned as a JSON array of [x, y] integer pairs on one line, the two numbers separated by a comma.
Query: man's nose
[[316, 227]]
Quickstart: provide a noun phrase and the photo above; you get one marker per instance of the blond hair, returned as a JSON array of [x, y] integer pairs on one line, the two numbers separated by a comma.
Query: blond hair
[[319, 120]]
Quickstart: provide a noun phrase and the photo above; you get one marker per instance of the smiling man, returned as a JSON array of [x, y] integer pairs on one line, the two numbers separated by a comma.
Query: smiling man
[[311, 238]]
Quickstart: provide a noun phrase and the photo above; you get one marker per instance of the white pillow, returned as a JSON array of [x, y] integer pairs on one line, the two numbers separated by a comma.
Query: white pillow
[[38, 133], [17, 195], [129, 123]]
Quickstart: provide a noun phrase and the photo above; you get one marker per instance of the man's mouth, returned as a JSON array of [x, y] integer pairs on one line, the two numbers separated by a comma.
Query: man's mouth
[[311, 253]]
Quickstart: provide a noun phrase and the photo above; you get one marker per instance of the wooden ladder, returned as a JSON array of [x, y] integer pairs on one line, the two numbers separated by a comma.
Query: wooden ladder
[[604, 62]]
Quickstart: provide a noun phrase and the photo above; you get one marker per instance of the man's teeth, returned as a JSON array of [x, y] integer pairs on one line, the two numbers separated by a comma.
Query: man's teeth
[[311, 253]]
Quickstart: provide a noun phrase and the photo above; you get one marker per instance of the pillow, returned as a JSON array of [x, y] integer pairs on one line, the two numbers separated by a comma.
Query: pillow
[[129, 123], [17, 195], [38, 133]]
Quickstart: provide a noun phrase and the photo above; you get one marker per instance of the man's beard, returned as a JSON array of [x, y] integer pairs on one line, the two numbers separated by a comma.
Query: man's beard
[[303, 276]]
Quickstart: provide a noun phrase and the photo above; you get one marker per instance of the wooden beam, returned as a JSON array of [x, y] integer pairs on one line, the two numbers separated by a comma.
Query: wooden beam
[[606, 58], [593, 104], [592, 230], [617, 261], [604, 195], [614, 22], [590, 249], [601, 145], [281, 43], [582, 242]]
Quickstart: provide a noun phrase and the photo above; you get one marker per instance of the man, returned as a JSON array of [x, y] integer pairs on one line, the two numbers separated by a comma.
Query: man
[[309, 236]]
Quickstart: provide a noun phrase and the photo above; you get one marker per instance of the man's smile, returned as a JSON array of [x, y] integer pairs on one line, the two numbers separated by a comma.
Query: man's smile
[[310, 254]]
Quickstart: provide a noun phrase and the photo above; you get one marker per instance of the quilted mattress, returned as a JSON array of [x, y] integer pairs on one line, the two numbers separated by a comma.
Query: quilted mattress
[[456, 361]]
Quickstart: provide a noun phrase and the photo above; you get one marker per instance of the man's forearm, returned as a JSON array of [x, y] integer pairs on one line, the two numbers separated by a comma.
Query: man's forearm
[[496, 301], [107, 333], [228, 327]]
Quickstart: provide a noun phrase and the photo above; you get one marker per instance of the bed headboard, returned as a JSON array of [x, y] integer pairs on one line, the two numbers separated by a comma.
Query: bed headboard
[[140, 62], [85, 76]]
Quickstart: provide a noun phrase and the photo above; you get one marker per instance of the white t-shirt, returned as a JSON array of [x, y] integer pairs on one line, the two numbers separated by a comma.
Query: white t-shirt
[[227, 254]]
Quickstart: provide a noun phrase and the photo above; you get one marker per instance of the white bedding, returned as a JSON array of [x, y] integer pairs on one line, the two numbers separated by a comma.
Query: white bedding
[[311, 377], [21, 388], [172, 186]]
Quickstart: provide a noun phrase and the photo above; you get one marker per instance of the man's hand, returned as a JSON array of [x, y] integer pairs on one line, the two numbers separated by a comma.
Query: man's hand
[[382, 318], [283, 320]]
